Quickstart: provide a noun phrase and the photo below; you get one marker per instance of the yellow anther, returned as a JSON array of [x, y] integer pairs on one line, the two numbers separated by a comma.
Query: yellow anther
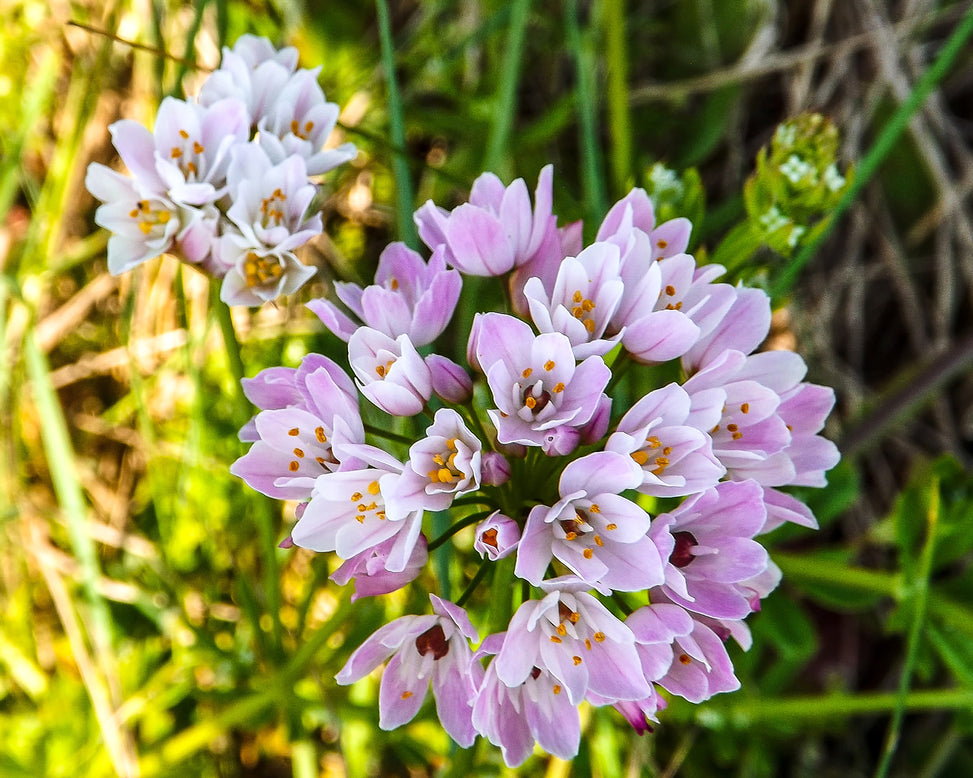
[[360, 518], [198, 147], [670, 290], [640, 457], [373, 487], [595, 508], [146, 227], [176, 152], [587, 644], [445, 476], [732, 427], [451, 444], [319, 434], [299, 453], [294, 466], [745, 407], [555, 639], [393, 283], [662, 243], [406, 695], [599, 541], [684, 659], [611, 526], [527, 372], [589, 325], [577, 312], [599, 637], [561, 630], [549, 365], [356, 496], [577, 296], [575, 617], [737, 435], [576, 660], [183, 134], [587, 553], [530, 402], [557, 688], [570, 535], [667, 450], [588, 305], [558, 387]]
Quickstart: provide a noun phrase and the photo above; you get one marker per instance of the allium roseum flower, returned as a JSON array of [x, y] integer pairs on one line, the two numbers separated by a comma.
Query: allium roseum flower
[[520, 453], [424, 649], [220, 181]]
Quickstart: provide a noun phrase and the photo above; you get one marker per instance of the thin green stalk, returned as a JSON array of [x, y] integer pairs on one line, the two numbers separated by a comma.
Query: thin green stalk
[[798, 567], [505, 106], [920, 595], [264, 507], [61, 464], [745, 711], [586, 65], [389, 435], [485, 567], [453, 529], [619, 120], [880, 150], [400, 162]]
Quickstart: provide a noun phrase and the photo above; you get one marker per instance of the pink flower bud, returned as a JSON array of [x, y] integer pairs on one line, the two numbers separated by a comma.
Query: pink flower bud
[[560, 441], [496, 537], [495, 469], [449, 380]]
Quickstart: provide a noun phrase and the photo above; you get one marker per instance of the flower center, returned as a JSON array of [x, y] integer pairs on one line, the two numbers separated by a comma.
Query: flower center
[[682, 553], [188, 155], [581, 310], [146, 218], [653, 450], [446, 471], [434, 640], [363, 508], [258, 271], [299, 131], [272, 208]]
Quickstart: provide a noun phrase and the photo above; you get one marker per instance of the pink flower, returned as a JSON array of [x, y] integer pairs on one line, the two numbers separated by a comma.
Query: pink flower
[[423, 648], [536, 384], [496, 231], [390, 372]]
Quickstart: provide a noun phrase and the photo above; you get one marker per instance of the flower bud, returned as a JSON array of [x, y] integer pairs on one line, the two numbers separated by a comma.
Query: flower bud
[[560, 441], [496, 537], [449, 381], [495, 469]]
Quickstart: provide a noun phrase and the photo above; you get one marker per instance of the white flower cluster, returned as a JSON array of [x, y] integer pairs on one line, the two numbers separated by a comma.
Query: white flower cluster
[[222, 180]]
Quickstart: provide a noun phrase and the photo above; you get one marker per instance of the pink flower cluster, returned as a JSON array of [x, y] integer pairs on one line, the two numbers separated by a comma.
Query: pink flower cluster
[[616, 607], [222, 180]]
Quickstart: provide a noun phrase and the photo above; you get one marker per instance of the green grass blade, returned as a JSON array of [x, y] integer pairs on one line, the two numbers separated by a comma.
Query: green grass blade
[[498, 146], [404, 198], [619, 119], [586, 65]]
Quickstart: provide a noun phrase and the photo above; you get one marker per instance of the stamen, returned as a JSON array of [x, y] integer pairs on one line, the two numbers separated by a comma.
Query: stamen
[[294, 466], [671, 290], [299, 453], [557, 688], [555, 639], [662, 243], [356, 497], [587, 553], [183, 134], [611, 526], [319, 434], [745, 407], [558, 387], [549, 365], [640, 457], [684, 659], [527, 372], [599, 637], [576, 660], [373, 487]]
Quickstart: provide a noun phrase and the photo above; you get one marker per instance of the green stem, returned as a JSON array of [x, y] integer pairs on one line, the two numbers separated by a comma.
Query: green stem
[[453, 529], [880, 150], [497, 158], [920, 596], [798, 567], [265, 508], [400, 162], [388, 435], [485, 567]]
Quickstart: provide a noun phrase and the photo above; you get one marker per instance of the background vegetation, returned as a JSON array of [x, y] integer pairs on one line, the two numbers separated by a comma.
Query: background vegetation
[[150, 625]]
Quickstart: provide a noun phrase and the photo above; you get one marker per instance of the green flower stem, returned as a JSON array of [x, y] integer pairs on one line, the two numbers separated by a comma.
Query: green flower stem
[[498, 145], [486, 566], [453, 529], [265, 508], [400, 162], [919, 593], [389, 435], [880, 150]]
